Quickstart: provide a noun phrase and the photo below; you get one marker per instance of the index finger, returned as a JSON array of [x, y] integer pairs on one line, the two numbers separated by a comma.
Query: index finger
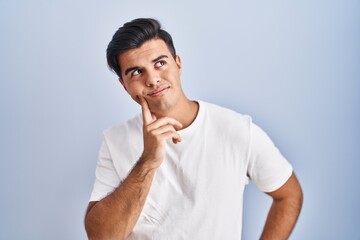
[[147, 118]]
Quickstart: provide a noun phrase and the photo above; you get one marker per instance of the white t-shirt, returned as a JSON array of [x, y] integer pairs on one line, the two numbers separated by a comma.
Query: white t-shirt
[[197, 192]]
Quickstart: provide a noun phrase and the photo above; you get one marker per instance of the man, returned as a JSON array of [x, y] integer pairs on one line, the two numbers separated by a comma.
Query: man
[[178, 170]]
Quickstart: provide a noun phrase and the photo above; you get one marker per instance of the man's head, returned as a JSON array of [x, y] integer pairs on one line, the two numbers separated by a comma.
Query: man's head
[[133, 35], [144, 58]]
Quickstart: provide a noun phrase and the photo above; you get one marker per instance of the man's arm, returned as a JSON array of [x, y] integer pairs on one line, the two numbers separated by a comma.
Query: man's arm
[[284, 212], [115, 216]]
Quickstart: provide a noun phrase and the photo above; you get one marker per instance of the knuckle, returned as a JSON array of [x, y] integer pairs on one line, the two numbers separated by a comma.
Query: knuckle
[[162, 119], [168, 120]]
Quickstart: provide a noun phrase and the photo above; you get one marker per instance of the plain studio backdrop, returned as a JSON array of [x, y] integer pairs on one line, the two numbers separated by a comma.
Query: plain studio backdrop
[[292, 65]]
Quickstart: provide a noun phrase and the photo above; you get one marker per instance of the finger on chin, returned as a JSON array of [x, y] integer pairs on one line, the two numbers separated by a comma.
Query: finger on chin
[[147, 118]]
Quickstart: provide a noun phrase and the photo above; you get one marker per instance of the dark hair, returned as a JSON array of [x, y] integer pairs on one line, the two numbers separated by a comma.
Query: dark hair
[[132, 35]]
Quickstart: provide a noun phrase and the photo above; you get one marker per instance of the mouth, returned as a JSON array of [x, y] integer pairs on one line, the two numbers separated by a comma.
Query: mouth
[[158, 92]]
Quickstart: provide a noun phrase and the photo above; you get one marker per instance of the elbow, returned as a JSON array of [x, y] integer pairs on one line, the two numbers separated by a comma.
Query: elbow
[[91, 228], [99, 230], [300, 199]]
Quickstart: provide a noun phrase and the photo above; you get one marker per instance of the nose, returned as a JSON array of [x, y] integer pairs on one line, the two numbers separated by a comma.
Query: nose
[[152, 78]]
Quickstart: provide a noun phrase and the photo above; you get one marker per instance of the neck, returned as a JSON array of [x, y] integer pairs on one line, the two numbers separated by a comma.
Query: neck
[[185, 112]]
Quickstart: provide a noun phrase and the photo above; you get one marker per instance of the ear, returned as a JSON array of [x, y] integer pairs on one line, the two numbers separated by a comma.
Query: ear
[[178, 62], [122, 83]]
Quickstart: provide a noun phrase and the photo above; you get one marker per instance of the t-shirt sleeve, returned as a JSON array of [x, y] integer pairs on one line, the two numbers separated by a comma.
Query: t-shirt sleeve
[[106, 177], [267, 167]]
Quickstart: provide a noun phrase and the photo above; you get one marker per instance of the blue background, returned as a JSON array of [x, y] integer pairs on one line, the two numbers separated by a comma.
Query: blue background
[[292, 65]]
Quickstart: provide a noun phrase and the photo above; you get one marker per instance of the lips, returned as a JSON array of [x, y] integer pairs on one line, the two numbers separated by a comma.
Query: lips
[[159, 91]]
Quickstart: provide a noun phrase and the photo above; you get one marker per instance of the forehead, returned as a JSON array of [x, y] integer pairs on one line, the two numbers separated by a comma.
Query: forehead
[[144, 54]]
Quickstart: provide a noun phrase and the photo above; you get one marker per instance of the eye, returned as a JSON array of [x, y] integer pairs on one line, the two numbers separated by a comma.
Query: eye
[[159, 63], [136, 72]]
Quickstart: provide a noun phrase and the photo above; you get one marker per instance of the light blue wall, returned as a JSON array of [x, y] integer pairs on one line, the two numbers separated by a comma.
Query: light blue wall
[[293, 66]]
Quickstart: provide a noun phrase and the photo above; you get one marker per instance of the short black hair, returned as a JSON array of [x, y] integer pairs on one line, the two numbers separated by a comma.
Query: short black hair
[[132, 35]]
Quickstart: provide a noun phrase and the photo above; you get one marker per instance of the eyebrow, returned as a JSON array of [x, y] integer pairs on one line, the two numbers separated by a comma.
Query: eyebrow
[[136, 67], [160, 57]]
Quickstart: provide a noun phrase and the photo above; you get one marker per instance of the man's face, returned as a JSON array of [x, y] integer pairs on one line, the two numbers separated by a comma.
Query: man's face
[[151, 72]]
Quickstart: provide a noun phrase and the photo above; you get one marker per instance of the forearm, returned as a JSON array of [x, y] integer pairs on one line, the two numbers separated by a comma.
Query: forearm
[[115, 216], [282, 218]]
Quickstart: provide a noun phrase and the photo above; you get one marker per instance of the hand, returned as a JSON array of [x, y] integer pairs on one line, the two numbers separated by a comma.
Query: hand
[[156, 132]]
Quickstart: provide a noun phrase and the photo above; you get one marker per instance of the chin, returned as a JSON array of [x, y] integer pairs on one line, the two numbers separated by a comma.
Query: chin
[[161, 107]]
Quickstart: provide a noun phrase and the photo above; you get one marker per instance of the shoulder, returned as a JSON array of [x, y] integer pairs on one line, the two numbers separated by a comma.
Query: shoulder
[[222, 114], [226, 123]]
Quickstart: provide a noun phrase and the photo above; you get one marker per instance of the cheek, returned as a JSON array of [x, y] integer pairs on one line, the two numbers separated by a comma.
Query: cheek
[[133, 90], [173, 74], [133, 96]]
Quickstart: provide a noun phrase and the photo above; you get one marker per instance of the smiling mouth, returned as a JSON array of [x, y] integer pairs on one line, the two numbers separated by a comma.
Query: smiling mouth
[[158, 92]]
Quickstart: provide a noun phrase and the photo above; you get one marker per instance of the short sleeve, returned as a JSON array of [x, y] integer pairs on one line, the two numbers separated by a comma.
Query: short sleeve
[[267, 167], [106, 177]]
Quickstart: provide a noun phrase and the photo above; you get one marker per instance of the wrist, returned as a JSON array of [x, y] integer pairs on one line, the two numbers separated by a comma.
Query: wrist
[[147, 163]]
